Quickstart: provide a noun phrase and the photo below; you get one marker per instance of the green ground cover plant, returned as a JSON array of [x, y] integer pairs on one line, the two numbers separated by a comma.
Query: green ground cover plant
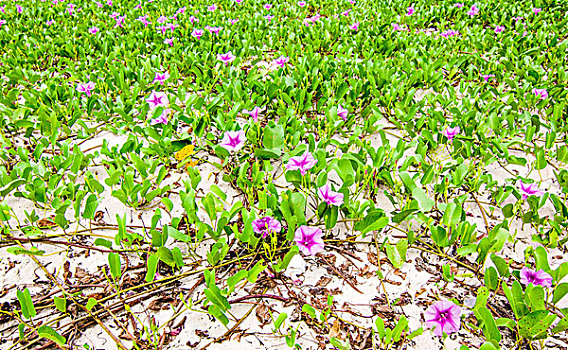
[[360, 174]]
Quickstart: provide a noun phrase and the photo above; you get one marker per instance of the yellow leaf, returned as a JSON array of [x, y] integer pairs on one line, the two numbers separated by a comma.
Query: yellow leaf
[[184, 152]]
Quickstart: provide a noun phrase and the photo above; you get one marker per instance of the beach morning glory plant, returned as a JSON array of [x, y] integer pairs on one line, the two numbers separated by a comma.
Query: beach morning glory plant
[[266, 225], [233, 140], [303, 163], [309, 239], [444, 317]]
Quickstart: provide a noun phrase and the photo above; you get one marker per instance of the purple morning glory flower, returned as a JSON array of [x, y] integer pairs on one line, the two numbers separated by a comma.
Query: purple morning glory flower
[[253, 113], [281, 61], [529, 190], [86, 88], [2, 22], [473, 11], [354, 26], [537, 278], [487, 76], [329, 196], [449, 32], [226, 57], [309, 239], [342, 112], [161, 78], [541, 93], [197, 33], [266, 225], [499, 29], [162, 119], [444, 317], [303, 163], [410, 11], [157, 99], [450, 133], [536, 10], [233, 140], [458, 4]]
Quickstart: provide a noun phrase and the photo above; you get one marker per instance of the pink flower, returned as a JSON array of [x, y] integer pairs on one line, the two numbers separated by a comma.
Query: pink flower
[[3, 9], [342, 112], [541, 93], [238, 1], [487, 76], [144, 20], [197, 33], [537, 278], [212, 8], [86, 88], [309, 239], [2, 22], [354, 26], [19, 8], [254, 113], [536, 10], [529, 190], [162, 119], [157, 99], [226, 57], [266, 225], [99, 4], [473, 11], [346, 12], [119, 21], [301, 3], [48, 23], [233, 21], [329, 196], [410, 11], [233, 140], [162, 19], [172, 26], [281, 61], [269, 17], [396, 26], [450, 133], [499, 29], [192, 19], [303, 163], [449, 32], [444, 316], [160, 78], [458, 4], [180, 10], [267, 6], [169, 41], [93, 30]]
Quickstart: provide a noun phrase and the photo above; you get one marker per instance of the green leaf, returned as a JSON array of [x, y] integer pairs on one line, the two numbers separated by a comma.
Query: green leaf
[[535, 323], [280, 320], [90, 206], [491, 278], [166, 256], [91, 303], [559, 292], [151, 266], [425, 203], [60, 303], [50, 333], [374, 221], [490, 329], [307, 308], [25, 299], [397, 254], [114, 262]]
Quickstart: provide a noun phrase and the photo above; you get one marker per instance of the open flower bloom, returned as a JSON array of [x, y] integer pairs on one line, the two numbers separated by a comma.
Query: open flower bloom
[[309, 239], [499, 29], [162, 119], [449, 32], [487, 76], [226, 57], [342, 112], [281, 61], [157, 99], [537, 278], [161, 78], [410, 11], [444, 317], [451, 132], [541, 93], [268, 6], [529, 190], [169, 41], [473, 11], [86, 88], [329, 196], [536, 10], [266, 225], [397, 26], [354, 26], [301, 3], [303, 163], [233, 140], [197, 33], [253, 113], [212, 8], [458, 4]]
